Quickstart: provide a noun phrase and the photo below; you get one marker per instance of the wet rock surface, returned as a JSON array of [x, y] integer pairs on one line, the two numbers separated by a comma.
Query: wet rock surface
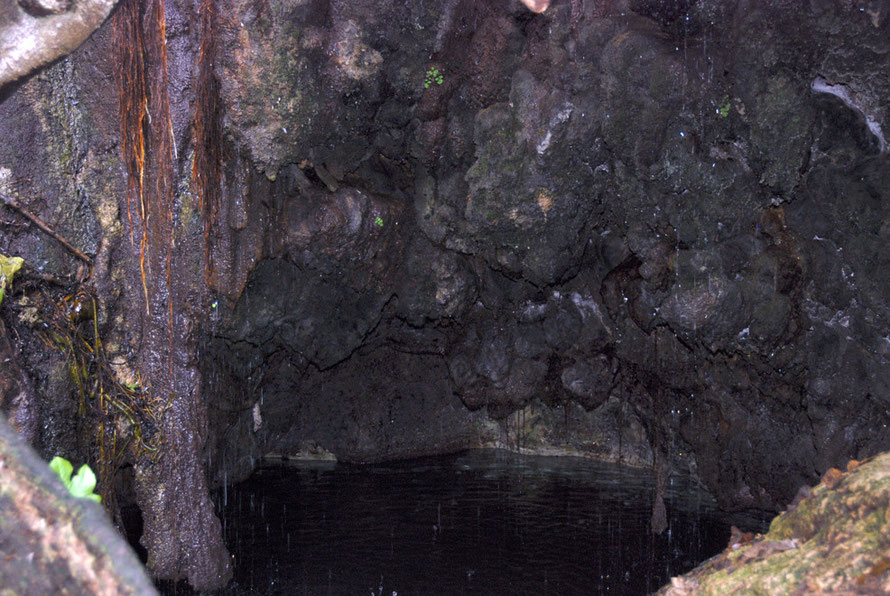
[[830, 540], [53, 542], [425, 219], [605, 201]]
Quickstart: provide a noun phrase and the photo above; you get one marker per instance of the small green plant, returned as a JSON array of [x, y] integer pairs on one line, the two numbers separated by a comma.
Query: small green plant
[[83, 483], [379, 221], [723, 108], [432, 76]]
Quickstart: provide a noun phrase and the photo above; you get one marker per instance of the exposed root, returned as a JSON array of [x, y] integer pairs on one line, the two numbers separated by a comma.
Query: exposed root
[[13, 204]]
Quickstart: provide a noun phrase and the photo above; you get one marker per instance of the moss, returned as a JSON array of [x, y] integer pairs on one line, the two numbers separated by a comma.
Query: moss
[[77, 185], [276, 91], [834, 540], [105, 198], [60, 117], [499, 168], [190, 220]]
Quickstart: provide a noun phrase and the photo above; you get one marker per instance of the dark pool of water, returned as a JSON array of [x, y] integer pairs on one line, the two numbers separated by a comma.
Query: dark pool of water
[[483, 522]]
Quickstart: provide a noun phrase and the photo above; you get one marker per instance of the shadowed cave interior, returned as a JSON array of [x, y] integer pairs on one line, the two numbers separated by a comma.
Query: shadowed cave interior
[[644, 232]]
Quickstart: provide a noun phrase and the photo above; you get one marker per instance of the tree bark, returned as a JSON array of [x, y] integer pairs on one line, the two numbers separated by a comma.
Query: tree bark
[[17, 397], [51, 542]]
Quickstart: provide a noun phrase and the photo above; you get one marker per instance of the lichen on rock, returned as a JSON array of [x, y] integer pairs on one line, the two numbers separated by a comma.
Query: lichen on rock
[[833, 541]]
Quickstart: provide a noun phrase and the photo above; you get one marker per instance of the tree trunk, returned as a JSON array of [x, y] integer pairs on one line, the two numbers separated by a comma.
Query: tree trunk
[[17, 398]]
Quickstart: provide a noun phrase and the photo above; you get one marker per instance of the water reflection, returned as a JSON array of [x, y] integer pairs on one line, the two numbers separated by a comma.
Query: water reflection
[[484, 522]]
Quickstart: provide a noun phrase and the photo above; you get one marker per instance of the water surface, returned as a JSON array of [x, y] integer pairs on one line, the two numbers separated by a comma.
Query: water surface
[[482, 522]]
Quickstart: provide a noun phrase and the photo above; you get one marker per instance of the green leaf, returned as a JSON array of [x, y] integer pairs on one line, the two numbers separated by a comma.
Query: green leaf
[[433, 75], [724, 107], [83, 483], [63, 468], [8, 267]]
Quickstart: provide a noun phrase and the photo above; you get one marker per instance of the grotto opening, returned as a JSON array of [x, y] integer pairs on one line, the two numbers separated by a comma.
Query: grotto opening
[[646, 231]]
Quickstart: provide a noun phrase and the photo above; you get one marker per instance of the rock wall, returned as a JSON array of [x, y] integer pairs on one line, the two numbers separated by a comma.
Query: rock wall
[[646, 230], [679, 207], [828, 541]]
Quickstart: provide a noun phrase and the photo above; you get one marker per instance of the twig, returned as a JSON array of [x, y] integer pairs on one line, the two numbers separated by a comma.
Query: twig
[[10, 202], [48, 278]]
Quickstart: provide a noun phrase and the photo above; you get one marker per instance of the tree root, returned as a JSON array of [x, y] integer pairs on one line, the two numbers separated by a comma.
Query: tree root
[[13, 204]]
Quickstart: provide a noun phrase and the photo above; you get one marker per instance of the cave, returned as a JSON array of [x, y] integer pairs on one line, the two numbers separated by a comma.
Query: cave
[[643, 232]]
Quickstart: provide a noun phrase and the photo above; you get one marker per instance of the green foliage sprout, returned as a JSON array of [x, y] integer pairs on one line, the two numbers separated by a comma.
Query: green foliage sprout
[[723, 108], [379, 221], [83, 483], [432, 76]]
